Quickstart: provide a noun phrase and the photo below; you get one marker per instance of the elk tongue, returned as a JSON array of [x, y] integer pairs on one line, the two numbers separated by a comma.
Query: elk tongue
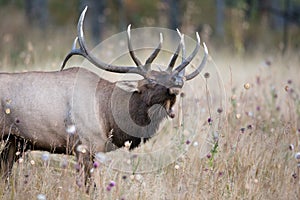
[[169, 109], [171, 112]]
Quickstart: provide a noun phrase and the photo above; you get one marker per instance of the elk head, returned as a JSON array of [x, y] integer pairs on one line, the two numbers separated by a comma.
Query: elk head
[[156, 87]]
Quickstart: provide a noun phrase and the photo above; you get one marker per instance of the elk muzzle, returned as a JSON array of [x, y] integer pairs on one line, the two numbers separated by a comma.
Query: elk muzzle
[[174, 90]]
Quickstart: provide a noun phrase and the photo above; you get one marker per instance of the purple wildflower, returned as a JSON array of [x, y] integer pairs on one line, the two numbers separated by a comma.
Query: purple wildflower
[[108, 188], [209, 120], [208, 156], [112, 184], [96, 164], [242, 130]]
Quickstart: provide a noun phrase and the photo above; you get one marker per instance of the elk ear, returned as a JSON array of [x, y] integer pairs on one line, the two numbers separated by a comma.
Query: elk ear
[[129, 86]]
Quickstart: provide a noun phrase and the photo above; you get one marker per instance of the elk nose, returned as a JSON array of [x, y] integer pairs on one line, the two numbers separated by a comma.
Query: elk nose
[[174, 90], [178, 81]]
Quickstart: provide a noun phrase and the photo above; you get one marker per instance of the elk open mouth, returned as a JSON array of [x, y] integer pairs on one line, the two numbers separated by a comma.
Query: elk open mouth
[[174, 90], [170, 109]]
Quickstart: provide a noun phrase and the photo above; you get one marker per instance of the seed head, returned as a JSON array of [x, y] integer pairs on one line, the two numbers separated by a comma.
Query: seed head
[[41, 197], [206, 75], [216, 135], [81, 149], [92, 170], [138, 177], [297, 155], [7, 111], [195, 144], [238, 116], [131, 176], [286, 88], [220, 110], [247, 86]]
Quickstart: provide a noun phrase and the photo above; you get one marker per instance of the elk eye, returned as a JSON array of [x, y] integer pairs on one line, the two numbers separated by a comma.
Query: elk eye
[[151, 81]]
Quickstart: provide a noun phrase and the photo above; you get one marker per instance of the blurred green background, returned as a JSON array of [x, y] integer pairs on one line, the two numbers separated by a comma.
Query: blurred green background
[[30, 30]]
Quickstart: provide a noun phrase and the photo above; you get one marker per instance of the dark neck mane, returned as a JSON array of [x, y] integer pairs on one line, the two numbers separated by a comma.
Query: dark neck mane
[[143, 114], [146, 119]]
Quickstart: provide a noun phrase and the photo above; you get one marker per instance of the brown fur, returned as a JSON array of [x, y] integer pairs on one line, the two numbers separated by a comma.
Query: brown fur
[[36, 108]]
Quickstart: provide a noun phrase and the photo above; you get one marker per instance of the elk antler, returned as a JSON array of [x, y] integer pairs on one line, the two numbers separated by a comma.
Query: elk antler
[[179, 71], [140, 68], [151, 58], [83, 51], [155, 53], [200, 67], [183, 53], [175, 56], [131, 52], [189, 59]]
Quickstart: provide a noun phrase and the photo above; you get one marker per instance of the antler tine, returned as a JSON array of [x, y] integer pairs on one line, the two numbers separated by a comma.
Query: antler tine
[[201, 66], [190, 58], [175, 56], [74, 51], [182, 72], [131, 52], [83, 51], [155, 53]]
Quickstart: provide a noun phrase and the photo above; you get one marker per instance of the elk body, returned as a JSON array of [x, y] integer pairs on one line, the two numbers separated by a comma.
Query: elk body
[[57, 111]]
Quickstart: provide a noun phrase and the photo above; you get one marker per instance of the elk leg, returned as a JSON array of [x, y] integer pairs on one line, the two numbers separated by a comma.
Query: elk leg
[[85, 164], [7, 157], [88, 179]]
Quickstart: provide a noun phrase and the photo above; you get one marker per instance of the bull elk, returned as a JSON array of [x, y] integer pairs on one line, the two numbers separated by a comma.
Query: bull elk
[[39, 110]]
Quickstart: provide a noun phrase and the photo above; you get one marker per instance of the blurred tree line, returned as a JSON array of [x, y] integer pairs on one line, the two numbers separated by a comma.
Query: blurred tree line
[[245, 25]]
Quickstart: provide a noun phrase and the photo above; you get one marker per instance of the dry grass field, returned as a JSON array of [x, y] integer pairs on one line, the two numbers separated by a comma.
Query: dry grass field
[[240, 138], [253, 156]]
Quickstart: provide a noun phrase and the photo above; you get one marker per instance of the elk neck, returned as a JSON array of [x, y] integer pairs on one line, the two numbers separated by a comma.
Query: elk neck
[[142, 113]]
